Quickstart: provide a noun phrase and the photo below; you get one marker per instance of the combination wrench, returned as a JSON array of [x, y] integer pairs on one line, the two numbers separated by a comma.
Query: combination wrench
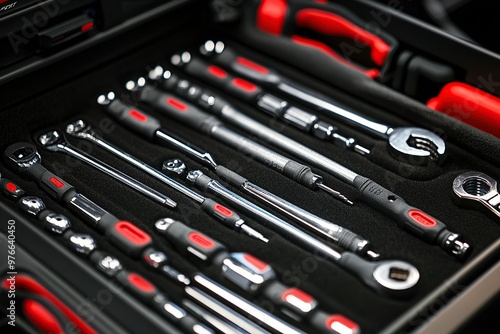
[[410, 144], [408, 217], [54, 141]]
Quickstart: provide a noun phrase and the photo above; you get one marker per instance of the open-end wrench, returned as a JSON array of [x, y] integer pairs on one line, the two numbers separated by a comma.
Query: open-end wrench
[[408, 218], [391, 277], [55, 141], [411, 144], [83, 130]]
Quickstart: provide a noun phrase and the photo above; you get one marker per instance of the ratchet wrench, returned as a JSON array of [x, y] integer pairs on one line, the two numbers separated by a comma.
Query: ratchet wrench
[[408, 218], [411, 144], [391, 277], [54, 141], [83, 130]]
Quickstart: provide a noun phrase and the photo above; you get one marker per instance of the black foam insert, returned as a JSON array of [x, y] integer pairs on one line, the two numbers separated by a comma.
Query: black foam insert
[[335, 289]]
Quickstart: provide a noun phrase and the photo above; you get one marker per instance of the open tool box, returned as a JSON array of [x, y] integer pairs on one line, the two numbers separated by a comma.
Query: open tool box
[[187, 54]]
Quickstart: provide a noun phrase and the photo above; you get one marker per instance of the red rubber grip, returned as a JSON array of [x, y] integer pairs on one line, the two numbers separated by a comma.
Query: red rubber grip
[[271, 16], [331, 24], [470, 105]]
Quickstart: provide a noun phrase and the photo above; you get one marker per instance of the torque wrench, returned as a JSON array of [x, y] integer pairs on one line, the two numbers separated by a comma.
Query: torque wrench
[[134, 117], [339, 235], [249, 273], [391, 277], [478, 191], [412, 144], [251, 93], [82, 130], [54, 141], [210, 125], [408, 218]]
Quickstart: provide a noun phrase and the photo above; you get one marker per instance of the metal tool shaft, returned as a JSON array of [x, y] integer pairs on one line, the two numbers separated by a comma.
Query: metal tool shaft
[[122, 177]]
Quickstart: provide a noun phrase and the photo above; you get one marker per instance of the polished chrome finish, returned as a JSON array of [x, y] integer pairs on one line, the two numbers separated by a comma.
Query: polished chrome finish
[[53, 141], [243, 275], [176, 166], [267, 319], [154, 258], [109, 265], [82, 130], [396, 275], [32, 205], [478, 188], [91, 210], [56, 223], [82, 243], [223, 326]]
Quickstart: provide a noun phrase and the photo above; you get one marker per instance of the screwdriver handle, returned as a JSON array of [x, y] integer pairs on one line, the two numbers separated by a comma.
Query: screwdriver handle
[[141, 122], [220, 212], [238, 87], [191, 241], [179, 109], [410, 218]]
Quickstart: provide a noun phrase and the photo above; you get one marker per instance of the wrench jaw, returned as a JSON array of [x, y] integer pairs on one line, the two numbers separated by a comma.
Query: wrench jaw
[[20, 157], [52, 141], [477, 191], [416, 146]]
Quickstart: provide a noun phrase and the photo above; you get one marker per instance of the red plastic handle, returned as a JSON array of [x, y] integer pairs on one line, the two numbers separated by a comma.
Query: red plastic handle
[[470, 105], [331, 24]]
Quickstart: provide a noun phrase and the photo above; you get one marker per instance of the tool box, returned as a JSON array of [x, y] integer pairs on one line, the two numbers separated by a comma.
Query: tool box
[[105, 258]]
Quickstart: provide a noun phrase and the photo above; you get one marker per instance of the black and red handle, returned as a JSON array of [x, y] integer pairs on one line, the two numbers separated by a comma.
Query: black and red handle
[[134, 118], [226, 216]]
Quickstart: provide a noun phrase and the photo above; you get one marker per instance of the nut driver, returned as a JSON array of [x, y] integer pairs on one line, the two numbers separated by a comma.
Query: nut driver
[[83, 130], [381, 199], [24, 159], [210, 125], [55, 141], [389, 277], [411, 144], [129, 115]]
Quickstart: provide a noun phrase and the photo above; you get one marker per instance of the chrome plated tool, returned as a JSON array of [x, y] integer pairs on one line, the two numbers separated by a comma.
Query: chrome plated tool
[[412, 144], [479, 191], [83, 130], [408, 218], [55, 141]]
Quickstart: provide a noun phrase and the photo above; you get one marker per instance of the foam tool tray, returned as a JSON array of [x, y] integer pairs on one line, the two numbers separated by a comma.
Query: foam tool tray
[[59, 92]]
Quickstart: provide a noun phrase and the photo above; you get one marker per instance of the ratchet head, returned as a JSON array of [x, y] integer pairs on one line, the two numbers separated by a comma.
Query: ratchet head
[[80, 129], [22, 156], [390, 277], [417, 146], [52, 140]]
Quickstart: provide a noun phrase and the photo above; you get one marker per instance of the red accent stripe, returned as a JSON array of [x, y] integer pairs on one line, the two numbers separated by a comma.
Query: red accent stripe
[[338, 324], [223, 210], [55, 181], [257, 263], [251, 65], [132, 233], [141, 283], [201, 240], [217, 72], [138, 116], [177, 104], [244, 85], [27, 283], [11, 187], [88, 26], [271, 16], [297, 293], [422, 219], [42, 318]]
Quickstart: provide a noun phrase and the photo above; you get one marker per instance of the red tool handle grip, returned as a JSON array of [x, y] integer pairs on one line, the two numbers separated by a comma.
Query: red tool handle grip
[[220, 212], [290, 299], [238, 87], [134, 118], [470, 105], [329, 23], [191, 241], [331, 323], [127, 237], [410, 218]]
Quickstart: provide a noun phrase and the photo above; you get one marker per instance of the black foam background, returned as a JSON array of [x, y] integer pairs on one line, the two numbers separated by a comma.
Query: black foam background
[[336, 290]]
